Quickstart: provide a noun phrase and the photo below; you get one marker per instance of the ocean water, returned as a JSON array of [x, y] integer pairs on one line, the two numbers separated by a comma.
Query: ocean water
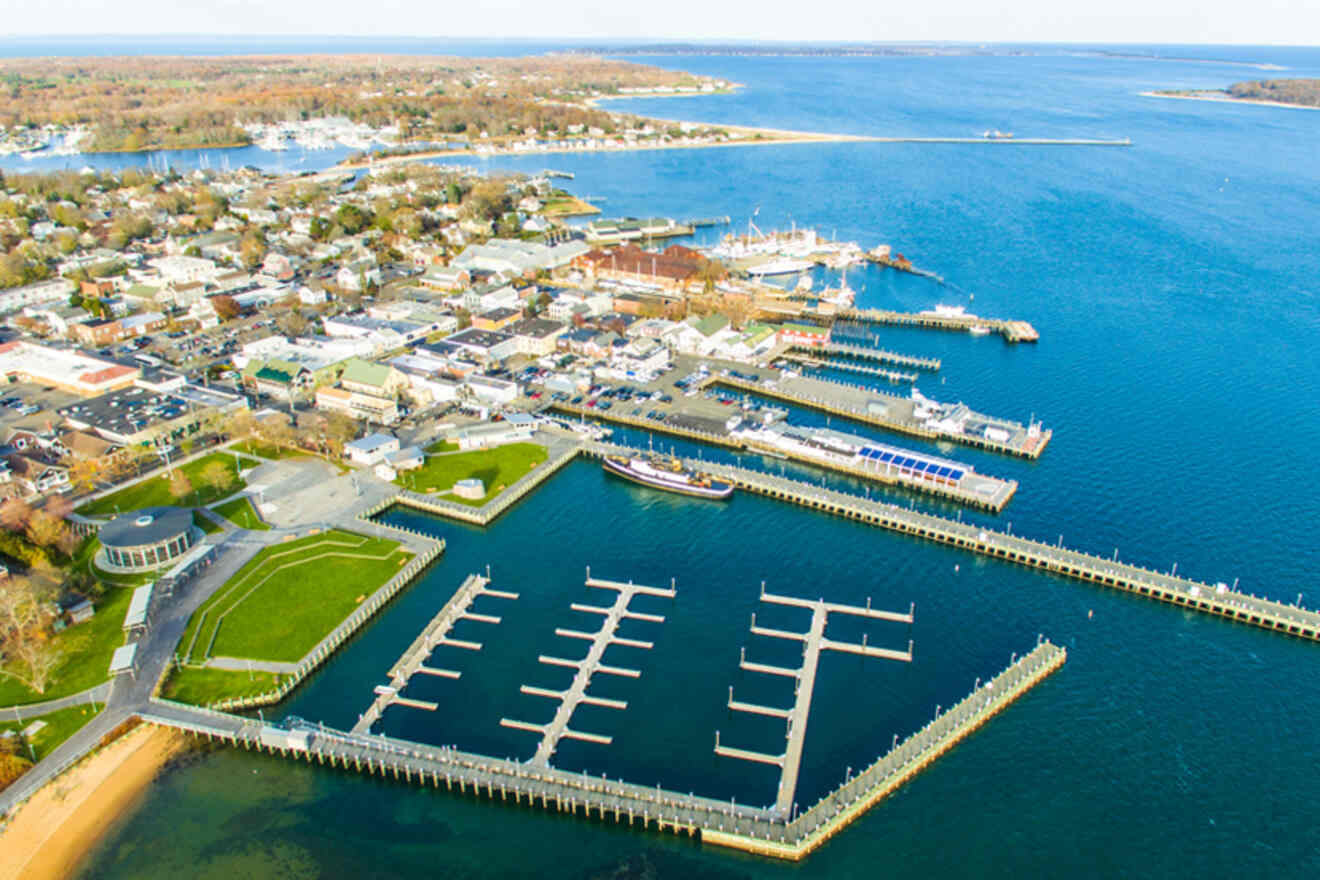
[[1174, 286]]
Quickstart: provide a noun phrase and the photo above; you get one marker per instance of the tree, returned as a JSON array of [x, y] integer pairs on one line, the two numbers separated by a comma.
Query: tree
[[217, 477], [225, 307], [29, 656], [44, 529], [292, 323], [14, 514], [180, 485]]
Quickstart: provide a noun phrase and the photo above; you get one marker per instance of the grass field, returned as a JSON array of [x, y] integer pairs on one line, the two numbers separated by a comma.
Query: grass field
[[59, 726], [204, 522], [241, 513], [202, 687], [497, 468], [156, 491], [85, 653], [290, 596], [268, 450]]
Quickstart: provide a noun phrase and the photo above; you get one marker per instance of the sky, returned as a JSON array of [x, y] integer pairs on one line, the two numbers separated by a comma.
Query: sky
[[1287, 22]]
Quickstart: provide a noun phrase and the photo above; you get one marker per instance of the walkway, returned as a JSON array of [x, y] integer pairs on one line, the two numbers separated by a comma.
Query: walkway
[[96, 694]]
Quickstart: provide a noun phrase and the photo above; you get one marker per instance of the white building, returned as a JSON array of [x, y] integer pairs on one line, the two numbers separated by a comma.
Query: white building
[[371, 449]]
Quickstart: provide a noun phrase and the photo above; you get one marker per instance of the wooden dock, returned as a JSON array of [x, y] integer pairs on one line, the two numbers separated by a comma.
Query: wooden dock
[[1217, 599], [848, 367], [435, 633], [758, 830], [1011, 330], [867, 353], [834, 398], [576, 693], [813, 642]]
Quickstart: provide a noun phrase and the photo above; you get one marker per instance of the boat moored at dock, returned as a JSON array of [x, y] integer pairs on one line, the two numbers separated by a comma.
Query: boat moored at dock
[[670, 474]]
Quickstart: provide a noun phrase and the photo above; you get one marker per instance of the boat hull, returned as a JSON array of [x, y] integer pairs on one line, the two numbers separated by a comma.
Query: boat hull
[[718, 491]]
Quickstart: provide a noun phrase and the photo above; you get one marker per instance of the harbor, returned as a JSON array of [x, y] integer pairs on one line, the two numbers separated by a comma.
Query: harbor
[[852, 323]]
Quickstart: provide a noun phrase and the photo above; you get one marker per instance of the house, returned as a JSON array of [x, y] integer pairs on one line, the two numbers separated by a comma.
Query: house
[[536, 337], [280, 379], [366, 377], [809, 335], [358, 276], [98, 333], [517, 428], [36, 477], [409, 458], [486, 346], [445, 278], [369, 407], [371, 449], [491, 390], [496, 319], [85, 446]]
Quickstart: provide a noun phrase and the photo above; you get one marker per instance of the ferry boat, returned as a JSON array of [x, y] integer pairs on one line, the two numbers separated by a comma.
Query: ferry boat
[[661, 472], [780, 267]]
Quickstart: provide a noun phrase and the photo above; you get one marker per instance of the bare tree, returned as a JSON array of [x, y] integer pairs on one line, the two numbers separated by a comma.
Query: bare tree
[[45, 529], [27, 653], [14, 514], [217, 476], [180, 485]]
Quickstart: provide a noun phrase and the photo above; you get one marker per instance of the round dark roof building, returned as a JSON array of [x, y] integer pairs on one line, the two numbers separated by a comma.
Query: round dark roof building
[[148, 538]]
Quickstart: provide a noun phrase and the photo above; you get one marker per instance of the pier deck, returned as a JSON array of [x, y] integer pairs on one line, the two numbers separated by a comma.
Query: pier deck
[[722, 823], [576, 693], [813, 642], [1217, 599], [904, 415], [818, 363], [1011, 330], [867, 353], [434, 634]]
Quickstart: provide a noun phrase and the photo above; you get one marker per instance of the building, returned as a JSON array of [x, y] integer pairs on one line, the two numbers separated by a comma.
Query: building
[[409, 458], [66, 369], [39, 294], [486, 346], [484, 436], [496, 319], [803, 334], [280, 379], [34, 476], [379, 410], [488, 389], [515, 257], [676, 266], [366, 377], [169, 412], [371, 449], [146, 539], [536, 337]]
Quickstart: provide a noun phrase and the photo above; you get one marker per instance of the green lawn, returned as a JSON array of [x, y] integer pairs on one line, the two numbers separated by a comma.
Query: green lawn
[[205, 523], [202, 687], [268, 450], [443, 446], [59, 726], [497, 468], [156, 491], [85, 657], [290, 596], [241, 513]]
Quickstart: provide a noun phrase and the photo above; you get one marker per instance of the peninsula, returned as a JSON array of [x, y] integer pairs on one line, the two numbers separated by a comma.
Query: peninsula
[[1304, 93]]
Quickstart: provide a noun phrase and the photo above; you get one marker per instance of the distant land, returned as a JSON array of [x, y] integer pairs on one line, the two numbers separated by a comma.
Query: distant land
[[1274, 92]]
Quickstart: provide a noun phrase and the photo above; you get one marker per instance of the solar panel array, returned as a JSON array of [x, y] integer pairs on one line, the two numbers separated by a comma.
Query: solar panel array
[[914, 463]]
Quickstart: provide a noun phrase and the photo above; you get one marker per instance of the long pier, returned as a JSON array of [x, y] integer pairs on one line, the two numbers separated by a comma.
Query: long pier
[[866, 353], [576, 693], [898, 414], [813, 642], [434, 634], [724, 823], [1012, 330], [848, 366], [1217, 599]]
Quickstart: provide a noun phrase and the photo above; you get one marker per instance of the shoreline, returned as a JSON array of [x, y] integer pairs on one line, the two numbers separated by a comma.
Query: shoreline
[[51, 835], [595, 102], [1226, 98]]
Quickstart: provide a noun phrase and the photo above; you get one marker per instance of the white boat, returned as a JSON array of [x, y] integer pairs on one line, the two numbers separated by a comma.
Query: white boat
[[979, 330], [779, 267], [804, 284]]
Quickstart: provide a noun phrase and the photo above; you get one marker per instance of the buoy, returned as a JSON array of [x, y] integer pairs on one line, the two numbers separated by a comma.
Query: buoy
[[955, 568], [1090, 612]]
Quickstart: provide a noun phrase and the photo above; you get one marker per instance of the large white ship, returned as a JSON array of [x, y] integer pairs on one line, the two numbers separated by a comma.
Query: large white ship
[[666, 473]]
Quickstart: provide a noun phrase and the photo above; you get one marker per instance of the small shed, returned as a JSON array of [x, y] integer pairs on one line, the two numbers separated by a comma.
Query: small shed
[[81, 612], [123, 659]]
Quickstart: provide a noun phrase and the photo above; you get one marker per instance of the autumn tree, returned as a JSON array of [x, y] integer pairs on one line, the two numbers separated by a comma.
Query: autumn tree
[[27, 653], [217, 477], [180, 485], [225, 307], [14, 514], [292, 323], [45, 529]]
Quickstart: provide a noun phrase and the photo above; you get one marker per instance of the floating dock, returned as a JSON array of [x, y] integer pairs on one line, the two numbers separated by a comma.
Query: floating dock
[[576, 693], [813, 642], [434, 634], [866, 353], [758, 830], [847, 366]]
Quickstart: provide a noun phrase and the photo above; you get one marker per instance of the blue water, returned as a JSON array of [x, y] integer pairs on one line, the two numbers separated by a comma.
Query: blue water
[[1173, 284]]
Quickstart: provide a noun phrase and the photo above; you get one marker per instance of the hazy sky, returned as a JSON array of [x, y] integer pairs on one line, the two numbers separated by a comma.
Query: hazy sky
[[1291, 22]]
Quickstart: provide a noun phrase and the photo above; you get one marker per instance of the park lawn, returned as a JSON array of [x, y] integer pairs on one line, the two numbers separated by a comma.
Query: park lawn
[[268, 450], [202, 687], [241, 513], [86, 649], [60, 725], [443, 446], [155, 492], [290, 596], [497, 468], [204, 522]]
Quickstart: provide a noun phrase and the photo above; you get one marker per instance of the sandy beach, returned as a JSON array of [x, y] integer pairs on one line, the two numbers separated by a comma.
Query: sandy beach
[[1227, 99], [51, 834]]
